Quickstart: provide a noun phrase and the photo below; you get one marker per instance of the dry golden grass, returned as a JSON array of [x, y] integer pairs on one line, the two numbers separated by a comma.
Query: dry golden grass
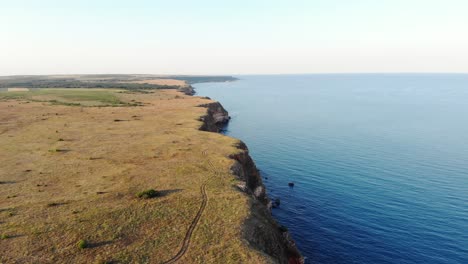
[[71, 173], [18, 89], [170, 82]]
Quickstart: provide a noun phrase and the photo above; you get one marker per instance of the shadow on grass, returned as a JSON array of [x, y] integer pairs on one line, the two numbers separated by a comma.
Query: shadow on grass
[[7, 182], [99, 244], [6, 209], [163, 193], [55, 150], [15, 236], [54, 204]]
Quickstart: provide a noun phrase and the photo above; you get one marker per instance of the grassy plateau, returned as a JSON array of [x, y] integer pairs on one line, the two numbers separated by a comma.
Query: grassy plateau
[[114, 176]]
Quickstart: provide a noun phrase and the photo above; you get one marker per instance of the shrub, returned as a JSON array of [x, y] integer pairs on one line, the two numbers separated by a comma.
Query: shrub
[[151, 193], [82, 244]]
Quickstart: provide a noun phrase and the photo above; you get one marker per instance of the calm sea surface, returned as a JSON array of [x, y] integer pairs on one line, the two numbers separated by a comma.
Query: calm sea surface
[[380, 162]]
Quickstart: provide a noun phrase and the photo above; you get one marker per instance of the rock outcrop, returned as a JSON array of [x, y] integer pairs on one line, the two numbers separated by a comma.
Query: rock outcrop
[[216, 117], [244, 169], [188, 90]]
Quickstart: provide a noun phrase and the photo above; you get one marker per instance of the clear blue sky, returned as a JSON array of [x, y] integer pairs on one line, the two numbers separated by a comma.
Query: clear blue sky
[[233, 37]]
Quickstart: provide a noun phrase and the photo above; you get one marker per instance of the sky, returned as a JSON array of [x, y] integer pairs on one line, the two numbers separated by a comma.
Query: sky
[[233, 36]]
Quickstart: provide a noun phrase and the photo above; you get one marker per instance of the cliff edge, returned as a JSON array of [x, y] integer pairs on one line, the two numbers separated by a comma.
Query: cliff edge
[[260, 230]]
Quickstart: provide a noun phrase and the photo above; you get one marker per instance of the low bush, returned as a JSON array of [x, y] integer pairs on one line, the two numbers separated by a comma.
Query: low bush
[[82, 244], [147, 194]]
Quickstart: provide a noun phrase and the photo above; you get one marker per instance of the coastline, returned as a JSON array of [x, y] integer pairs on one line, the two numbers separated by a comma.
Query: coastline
[[206, 181], [260, 230]]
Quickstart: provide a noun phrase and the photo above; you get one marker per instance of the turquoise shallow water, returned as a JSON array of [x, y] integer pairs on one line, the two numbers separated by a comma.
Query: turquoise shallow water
[[380, 162]]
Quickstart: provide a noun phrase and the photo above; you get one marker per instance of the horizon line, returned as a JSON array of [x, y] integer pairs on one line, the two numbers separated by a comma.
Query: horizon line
[[248, 74]]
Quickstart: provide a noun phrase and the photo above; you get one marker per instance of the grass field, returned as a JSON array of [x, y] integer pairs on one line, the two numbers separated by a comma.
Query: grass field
[[69, 179], [84, 97], [170, 82]]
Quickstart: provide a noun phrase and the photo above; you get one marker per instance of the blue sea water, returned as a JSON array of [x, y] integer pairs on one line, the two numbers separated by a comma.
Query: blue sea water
[[379, 161]]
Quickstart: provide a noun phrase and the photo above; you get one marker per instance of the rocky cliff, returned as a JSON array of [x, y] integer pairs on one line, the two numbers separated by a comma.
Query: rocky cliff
[[216, 117], [188, 90], [260, 229]]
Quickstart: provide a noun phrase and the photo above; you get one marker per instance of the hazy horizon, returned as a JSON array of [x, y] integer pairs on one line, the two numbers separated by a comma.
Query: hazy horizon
[[249, 74], [233, 38]]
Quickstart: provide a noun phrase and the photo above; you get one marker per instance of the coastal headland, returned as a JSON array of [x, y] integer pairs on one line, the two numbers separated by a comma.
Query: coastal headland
[[127, 169]]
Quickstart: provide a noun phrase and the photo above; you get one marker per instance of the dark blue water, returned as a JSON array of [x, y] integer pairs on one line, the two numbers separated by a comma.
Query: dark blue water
[[380, 162]]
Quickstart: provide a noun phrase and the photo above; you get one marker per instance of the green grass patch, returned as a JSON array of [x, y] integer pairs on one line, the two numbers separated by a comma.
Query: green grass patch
[[12, 95], [70, 97]]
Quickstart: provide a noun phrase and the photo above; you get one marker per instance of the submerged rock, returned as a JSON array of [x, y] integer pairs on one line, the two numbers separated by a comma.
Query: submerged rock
[[276, 203]]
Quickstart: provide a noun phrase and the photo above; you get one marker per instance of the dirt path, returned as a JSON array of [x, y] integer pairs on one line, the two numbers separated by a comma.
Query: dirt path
[[195, 221]]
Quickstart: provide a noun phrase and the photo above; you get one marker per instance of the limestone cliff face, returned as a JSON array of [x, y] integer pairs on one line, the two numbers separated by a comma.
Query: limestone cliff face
[[216, 117], [260, 230], [244, 168]]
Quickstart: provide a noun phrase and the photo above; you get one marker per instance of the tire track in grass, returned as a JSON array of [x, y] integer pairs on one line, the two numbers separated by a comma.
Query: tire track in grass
[[188, 235], [193, 225]]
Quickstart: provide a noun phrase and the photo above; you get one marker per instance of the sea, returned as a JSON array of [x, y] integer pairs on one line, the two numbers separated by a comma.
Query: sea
[[379, 162]]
